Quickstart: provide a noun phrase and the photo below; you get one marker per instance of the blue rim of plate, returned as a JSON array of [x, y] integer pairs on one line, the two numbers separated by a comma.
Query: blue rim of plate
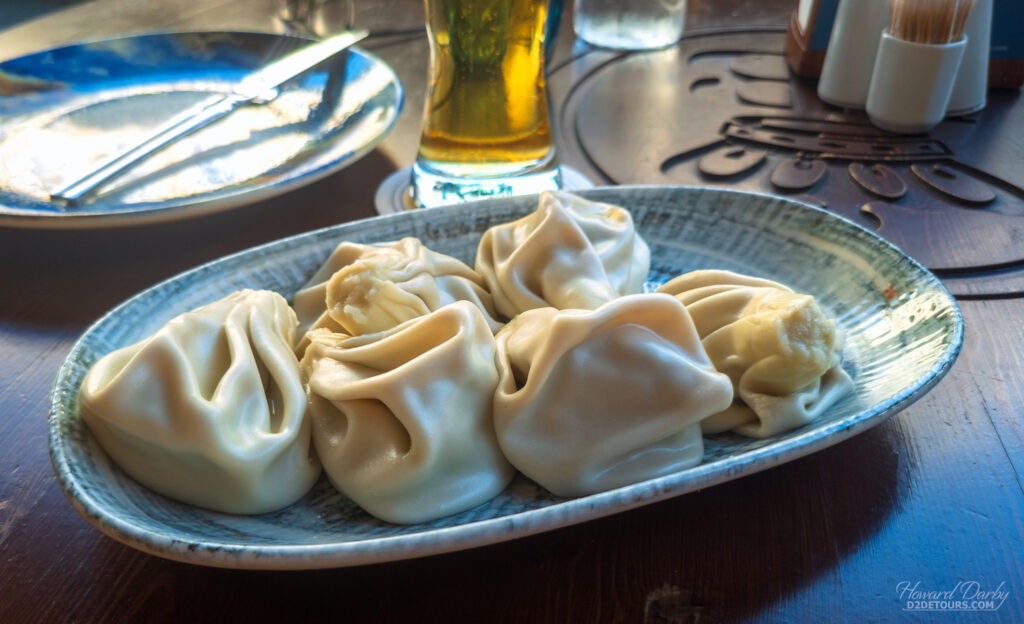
[[492, 530], [18, 209]]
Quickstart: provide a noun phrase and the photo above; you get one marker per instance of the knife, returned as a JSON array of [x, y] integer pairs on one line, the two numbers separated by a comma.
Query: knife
[[253, 88]]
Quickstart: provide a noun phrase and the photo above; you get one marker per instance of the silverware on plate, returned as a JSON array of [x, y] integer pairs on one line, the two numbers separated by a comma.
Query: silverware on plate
[[259, 86]]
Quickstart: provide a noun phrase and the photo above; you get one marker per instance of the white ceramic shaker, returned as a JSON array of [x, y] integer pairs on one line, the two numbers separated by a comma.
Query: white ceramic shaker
[[971, 84], [850, 57]]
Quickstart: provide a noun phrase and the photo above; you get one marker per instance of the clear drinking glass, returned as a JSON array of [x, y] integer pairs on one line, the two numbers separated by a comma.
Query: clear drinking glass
[[315, 18], [629, 24], [486, 130]]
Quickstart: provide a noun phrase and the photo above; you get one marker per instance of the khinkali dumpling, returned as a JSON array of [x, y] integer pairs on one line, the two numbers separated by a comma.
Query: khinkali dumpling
[[402, 419], [780, 349], [210, 409], [310, 301], [569, 253], [370, 288], [592, 400]]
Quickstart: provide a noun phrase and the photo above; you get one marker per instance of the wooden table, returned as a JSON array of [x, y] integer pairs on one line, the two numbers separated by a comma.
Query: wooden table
[[931, 498]]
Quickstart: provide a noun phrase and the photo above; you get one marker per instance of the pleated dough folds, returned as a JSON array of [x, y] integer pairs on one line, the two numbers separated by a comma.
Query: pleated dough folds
[[781, 351], [363, 289], [568, 254], [402, 419], [209, 410], [593, 400]]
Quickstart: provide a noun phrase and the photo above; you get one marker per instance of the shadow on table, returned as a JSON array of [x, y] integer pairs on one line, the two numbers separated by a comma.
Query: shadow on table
[[70, 277], [733, 552]]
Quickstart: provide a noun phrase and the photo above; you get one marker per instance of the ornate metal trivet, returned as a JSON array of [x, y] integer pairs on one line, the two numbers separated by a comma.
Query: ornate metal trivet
[[724, 110]]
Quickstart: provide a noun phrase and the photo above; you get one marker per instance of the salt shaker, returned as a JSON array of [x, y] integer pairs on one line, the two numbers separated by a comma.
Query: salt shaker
[[850, 56], [971, 84]]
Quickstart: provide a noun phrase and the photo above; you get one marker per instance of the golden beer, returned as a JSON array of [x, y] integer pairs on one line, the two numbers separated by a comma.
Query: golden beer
[[486, 113]]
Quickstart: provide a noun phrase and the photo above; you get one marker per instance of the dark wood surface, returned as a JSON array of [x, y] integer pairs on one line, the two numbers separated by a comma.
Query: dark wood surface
[[933, 496]]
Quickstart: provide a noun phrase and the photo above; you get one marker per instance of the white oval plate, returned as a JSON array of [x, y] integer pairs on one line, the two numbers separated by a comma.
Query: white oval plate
[[903, 329]]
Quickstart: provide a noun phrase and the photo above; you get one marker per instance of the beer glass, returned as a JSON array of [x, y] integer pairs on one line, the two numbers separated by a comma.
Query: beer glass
[[486, 130]]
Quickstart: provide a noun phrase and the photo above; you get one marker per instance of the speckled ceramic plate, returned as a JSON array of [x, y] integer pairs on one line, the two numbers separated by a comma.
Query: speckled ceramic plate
[[903, 333], [64, 111]]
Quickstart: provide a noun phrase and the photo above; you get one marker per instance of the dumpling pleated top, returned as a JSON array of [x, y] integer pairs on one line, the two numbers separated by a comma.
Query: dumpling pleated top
[[210, 409]]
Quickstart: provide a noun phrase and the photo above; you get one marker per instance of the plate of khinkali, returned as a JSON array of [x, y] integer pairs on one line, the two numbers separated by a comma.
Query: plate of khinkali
[[436, 380]]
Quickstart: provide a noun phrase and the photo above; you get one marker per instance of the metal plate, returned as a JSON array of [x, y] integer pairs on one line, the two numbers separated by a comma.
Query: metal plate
[[70, 108], [903, 332]]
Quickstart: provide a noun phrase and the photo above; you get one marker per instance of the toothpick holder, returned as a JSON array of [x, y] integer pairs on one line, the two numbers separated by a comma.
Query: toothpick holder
[[911, 83]]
